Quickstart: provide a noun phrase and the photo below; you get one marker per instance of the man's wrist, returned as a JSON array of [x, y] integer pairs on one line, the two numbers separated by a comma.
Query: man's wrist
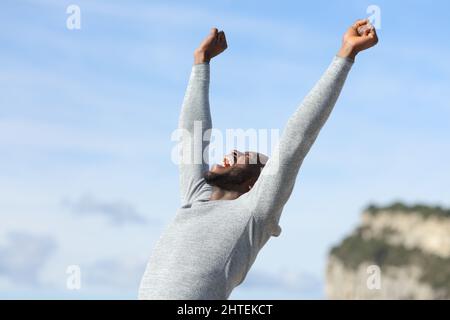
[[347, 51], [201, 56]]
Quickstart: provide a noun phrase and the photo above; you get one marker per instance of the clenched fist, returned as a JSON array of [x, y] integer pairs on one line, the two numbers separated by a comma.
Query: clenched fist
[[214, 44], [355, 42]]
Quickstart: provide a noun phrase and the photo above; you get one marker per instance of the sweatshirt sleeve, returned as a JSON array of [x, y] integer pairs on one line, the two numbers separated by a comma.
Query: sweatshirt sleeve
[[276, 182], [194, 124]]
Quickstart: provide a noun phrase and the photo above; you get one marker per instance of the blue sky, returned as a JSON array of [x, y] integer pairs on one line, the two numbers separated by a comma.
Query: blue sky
[[86, 116]]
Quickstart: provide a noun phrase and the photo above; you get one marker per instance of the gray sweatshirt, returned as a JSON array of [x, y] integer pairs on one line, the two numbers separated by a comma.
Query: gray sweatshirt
[[208, 248]]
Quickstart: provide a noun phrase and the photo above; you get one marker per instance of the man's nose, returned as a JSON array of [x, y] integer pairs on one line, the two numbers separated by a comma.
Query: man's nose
[[237, 153]]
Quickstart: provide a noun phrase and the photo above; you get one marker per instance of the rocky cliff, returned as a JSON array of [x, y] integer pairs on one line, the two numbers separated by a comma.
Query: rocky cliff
[[397, 252]]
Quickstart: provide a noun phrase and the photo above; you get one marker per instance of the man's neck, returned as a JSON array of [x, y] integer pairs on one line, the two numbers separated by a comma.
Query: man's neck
[[220, 194]]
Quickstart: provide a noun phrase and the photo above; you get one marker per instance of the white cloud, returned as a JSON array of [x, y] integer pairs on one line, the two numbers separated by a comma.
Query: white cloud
[[117, 212], [23, 257], [114, 274]]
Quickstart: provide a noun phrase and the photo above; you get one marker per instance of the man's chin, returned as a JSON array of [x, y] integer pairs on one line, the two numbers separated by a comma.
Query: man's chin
[[218, 169], [216, 174], [210, 177], [227, 178]]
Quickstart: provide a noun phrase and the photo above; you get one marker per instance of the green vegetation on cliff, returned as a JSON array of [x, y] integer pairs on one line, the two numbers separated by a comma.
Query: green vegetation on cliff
[[418, 208], [355, 250]]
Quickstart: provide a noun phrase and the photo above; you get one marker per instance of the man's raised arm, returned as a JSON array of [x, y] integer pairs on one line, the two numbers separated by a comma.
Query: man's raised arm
[[274, 186], [195, 117]]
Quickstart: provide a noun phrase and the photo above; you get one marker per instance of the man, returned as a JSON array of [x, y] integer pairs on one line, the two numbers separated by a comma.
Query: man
[[229, 212]]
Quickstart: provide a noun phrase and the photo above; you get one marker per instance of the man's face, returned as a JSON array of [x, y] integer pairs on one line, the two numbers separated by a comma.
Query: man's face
[[237, 171]]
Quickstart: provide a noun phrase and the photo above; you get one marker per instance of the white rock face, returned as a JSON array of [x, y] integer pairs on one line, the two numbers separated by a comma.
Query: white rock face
[[430, 234], [395, 283], [413, 231]]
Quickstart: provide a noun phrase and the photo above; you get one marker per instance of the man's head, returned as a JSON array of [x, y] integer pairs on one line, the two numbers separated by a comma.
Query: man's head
[[239, 171]]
